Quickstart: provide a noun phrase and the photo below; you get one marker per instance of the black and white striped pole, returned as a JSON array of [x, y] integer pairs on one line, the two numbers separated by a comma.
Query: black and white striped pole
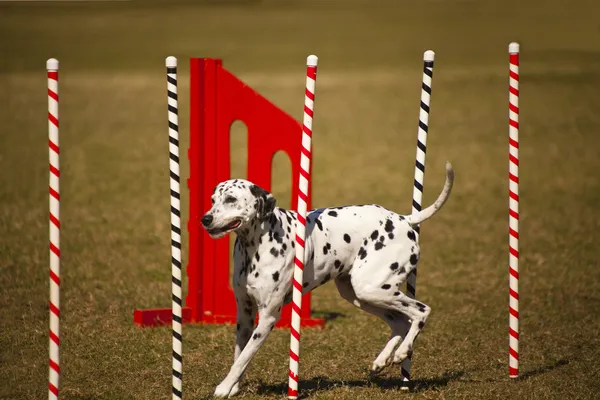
[[171, 63], [411, 283]]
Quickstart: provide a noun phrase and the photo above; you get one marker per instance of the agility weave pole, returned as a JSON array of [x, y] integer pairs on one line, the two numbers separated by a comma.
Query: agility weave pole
[[513, 210], [411, 283], [171, 63], [305, 159], [54, 190]]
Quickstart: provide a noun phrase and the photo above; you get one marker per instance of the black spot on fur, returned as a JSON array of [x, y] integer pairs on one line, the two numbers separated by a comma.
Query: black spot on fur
[[337, 264], [386, 286], [389, 226], [274, 252], [289, 219], [281, 252], [396, 293], [328, 246], [256, 275], [347, 238], [402, 270], [404, 304], [319, 224], [378, 246], [421, 324], [365, 242], [284, 246], [276, 276], [374, 235], [256, 336], [325, 249], [414, 259], [411, 235], [362, 253], [333, 213], [391, 235], [294, 244], [327, 278], [394, 266], [257, 256], [381, 238]]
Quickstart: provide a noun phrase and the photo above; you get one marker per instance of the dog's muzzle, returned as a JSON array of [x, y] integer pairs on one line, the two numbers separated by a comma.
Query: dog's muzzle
[[207, 220]]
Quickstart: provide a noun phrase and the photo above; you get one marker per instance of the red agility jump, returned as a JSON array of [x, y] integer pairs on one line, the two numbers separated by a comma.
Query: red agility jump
[[217, 100]]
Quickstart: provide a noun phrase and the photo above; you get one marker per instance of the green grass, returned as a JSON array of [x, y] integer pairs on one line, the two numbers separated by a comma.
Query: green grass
[[114, 208]]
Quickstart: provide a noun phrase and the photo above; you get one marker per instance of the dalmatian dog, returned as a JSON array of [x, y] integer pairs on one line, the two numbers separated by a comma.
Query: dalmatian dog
[[366, 249]]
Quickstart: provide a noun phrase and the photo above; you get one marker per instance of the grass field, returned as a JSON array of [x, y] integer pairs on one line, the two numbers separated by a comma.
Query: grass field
[[114, 195]]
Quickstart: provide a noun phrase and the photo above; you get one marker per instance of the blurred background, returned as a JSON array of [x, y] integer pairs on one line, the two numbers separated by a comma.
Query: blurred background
[[115, 203]]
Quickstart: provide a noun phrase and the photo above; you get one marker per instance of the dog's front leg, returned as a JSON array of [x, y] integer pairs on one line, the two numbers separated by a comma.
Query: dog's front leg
[[246, 311], [267, 318]]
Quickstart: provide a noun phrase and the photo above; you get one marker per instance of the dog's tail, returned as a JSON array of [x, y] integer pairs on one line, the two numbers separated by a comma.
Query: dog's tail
[[427, 213]]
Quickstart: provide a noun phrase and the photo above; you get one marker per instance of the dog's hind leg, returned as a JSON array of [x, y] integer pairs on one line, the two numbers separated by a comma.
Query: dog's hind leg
[[397, 322], [414, 311], [418, 313]]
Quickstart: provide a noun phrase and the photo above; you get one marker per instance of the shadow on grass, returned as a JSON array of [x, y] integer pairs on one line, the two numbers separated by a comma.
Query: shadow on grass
[[528, 374], [319, 384], [543, 369]]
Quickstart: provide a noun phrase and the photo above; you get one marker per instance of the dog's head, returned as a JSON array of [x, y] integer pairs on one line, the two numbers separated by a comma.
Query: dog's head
[[235, 204]]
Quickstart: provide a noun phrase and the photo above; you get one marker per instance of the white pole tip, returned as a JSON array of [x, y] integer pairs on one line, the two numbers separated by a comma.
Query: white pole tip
[[312, 60], [513, 47], [171, 62], [429, 55], [52, 64]]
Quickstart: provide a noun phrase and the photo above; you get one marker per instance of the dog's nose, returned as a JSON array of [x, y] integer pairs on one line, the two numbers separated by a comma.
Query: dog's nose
[[207, 219]]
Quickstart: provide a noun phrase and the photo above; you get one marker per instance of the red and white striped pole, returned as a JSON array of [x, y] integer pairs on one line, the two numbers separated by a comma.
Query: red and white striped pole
[[513, 219], [305, 158], [52, 67]]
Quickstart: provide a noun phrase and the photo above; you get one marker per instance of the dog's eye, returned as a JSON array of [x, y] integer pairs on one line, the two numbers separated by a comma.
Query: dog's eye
[[230, 199]]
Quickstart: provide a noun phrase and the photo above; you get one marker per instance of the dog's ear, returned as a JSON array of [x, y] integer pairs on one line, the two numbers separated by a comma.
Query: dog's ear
[[265, 202]]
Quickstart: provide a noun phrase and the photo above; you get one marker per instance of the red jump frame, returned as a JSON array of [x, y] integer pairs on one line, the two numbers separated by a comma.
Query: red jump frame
[[218, 99]]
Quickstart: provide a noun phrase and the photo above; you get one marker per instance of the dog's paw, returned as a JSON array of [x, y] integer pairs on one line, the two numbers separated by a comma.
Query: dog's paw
[[379, 365], [235, 390], [402, 355], [222, 391]]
